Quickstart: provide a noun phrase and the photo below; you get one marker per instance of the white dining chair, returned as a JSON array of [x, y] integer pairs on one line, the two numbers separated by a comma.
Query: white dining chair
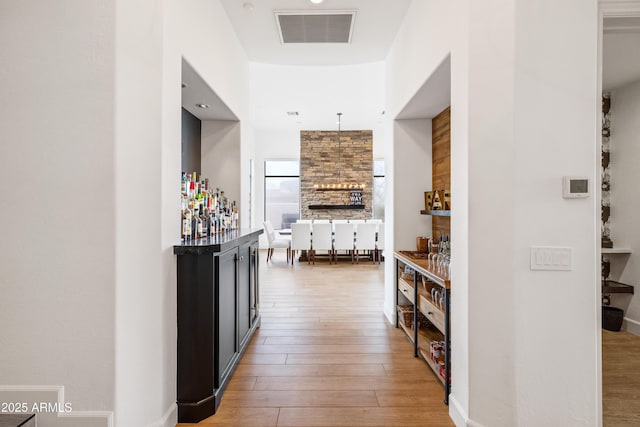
[[343, 239], [321, 221], [275, 240], [338, 221], [322, 240], [300, 239], [380, 241], [365, 239], [304, 221]]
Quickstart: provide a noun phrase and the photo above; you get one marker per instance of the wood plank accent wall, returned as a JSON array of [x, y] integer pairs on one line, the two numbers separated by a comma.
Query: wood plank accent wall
[[441, 167]]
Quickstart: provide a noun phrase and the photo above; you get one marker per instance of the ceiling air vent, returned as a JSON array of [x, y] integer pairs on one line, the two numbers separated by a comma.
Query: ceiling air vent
[[316, 27]]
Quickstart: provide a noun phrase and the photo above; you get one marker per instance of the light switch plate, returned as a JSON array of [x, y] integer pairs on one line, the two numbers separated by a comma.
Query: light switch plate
[[551, 258]]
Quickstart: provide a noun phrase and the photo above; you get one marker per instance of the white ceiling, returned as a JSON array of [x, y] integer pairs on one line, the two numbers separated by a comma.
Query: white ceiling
[[433, 97], [376, 25], [621, 52], [317, 94], [195, 91]]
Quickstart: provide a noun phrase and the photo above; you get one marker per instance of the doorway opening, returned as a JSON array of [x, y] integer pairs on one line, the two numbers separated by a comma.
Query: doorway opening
[[619, 50]]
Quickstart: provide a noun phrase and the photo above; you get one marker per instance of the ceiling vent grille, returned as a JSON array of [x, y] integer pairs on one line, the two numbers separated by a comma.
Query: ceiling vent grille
[[315, 27]]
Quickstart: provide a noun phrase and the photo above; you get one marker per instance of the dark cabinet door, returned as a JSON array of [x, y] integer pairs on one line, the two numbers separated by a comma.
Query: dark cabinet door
[[226, 327], [195, 327], [244, 291], [254, 297]]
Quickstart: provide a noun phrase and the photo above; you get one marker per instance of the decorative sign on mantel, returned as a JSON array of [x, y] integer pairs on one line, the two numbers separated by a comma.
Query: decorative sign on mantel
[[356, 197]]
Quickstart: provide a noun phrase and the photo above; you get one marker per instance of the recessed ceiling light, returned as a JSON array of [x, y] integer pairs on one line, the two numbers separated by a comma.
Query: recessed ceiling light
[[248, 5], [203, 106], [316, 1]]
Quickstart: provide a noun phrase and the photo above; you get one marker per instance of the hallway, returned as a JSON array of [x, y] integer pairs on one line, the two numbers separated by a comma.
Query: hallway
[[326, 356]]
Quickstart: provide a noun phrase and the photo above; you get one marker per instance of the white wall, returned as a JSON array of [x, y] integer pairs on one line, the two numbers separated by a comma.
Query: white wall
[[57, 172], [271, 145], [572, 88], [423, 42], [141, 371], [200, 32], [625, 196], [412, 166], [408, 176], [506, 176], [221, 156], [491, 219], [92, 114]]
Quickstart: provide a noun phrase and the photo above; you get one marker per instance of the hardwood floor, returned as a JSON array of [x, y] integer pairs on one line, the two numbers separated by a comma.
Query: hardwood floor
[[620, 379], [326, 356]]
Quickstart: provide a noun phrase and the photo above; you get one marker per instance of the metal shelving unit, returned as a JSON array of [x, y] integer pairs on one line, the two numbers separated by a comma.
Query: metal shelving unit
[[422, 303]]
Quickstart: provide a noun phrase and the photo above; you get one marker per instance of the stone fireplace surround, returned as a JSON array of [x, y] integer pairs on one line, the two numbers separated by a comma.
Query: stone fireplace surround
[[323, 162]]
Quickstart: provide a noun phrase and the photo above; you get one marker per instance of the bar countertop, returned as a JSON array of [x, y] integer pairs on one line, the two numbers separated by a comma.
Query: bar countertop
[[217, 243], [420, 264]]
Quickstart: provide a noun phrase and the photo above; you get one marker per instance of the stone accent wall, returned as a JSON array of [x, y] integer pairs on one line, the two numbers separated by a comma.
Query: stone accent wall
[[606, 171], [320, 163]]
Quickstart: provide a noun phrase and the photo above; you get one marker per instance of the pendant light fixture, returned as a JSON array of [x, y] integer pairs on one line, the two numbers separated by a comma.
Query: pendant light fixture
[[339, 185]]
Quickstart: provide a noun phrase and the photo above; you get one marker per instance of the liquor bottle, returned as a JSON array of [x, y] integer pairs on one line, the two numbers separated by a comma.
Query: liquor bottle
[[186, 221], [186, 225], [235, 215], [212, 223], [203, 221], [198, 224]]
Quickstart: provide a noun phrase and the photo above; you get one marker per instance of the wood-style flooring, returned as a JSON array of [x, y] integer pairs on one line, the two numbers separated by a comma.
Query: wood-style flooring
[[326, 356], [620, 379]]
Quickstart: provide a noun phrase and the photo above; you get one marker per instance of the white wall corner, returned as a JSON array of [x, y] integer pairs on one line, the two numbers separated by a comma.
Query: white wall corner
[[390, 313], [458, 415]]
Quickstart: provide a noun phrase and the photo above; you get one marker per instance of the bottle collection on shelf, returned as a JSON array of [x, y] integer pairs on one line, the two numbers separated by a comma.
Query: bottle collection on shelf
[[204, 212]]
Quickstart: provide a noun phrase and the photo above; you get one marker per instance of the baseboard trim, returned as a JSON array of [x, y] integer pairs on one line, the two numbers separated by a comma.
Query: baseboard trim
[[390, 314], [458, 415], [471, 423], [107, 416], [168, 419], [632, 326]]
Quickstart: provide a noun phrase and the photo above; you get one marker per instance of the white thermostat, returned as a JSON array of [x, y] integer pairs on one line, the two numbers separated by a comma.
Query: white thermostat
[[574, 187]]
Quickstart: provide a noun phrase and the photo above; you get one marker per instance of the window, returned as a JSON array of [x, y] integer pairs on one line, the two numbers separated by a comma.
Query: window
[[281, 192], [378, 189]]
